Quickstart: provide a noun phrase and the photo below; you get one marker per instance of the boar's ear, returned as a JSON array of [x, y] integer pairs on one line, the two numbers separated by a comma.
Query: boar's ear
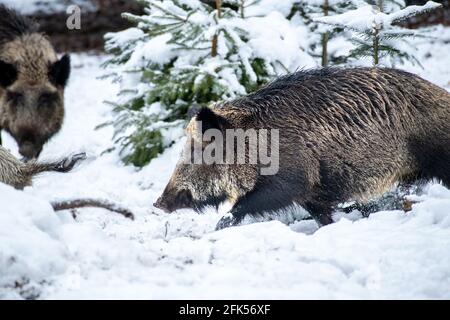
[[210, 120], [193, 110], [8, 74], [59, 71]]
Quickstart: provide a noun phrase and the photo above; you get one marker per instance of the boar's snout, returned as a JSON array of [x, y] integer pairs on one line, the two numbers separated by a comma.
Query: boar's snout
[[172, 200], [30, 141], [30, 150], [161, 204]]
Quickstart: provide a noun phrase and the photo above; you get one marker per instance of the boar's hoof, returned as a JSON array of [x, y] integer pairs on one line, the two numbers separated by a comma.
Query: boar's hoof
[[228, 221], [69, 163]]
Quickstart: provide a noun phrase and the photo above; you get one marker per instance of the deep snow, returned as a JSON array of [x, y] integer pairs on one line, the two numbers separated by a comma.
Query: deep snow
[[46, 255]]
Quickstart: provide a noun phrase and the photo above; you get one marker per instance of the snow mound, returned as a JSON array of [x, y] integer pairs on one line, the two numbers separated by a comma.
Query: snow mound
[[30, 248], [365, 16]]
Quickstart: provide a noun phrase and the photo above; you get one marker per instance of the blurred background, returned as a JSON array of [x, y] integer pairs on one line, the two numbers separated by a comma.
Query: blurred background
[[102, 16]]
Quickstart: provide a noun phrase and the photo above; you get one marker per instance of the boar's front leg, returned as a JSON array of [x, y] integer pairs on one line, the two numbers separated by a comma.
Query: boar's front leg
[[265, 198], [270, 194], [247, 205], [320, 211], [228, 221]]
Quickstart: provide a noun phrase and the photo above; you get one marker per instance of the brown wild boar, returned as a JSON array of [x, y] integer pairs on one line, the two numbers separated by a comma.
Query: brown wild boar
[[344, 134], [32, 82]]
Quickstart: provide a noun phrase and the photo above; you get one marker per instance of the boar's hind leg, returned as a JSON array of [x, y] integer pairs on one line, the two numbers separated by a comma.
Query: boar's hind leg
[[321, 212], [442, 168], [433, 158]]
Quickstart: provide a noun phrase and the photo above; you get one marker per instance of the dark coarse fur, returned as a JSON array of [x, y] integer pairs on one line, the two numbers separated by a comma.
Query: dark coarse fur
[[345, 134], [14, 25], [32, 81]]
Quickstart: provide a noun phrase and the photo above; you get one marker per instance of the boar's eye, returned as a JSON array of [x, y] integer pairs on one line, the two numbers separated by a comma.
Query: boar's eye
[[14, 98], [47, 99]]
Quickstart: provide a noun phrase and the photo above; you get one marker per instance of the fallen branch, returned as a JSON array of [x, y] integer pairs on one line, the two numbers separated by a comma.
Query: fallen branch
[[82, 203]]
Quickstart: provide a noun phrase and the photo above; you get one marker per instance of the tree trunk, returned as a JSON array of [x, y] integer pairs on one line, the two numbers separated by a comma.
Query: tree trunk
[[325, 37], [216, 36], [376, 43]]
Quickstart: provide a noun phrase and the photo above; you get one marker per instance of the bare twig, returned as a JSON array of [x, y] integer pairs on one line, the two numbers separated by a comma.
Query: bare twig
[[82, 203]]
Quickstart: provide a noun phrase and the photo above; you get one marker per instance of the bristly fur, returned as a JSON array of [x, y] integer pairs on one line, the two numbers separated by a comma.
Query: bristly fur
[[14, 25], [211, 201], [59, 71], [345, 135]]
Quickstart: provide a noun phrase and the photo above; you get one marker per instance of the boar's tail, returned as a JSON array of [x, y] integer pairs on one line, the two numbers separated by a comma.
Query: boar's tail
[[64, 165], [13, 25]]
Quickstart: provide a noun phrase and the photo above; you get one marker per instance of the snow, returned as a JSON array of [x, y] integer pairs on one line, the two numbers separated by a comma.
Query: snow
[[155, 50], [102, 255], [413, 10], [288, 43], [123, 37], [286, 49], [264, 7], [364, 17], [29, 232]]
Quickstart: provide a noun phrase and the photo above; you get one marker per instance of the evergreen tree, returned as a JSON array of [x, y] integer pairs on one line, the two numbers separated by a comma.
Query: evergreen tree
[[375, 30], [182, 53], [191, 53], [310, 11]]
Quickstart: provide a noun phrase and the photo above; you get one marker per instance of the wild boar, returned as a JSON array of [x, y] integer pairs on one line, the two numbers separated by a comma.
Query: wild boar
[[344, 134], [32, 81]]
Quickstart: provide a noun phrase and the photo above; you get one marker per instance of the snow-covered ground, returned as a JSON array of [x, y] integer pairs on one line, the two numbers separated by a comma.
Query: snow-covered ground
[[49, 255]]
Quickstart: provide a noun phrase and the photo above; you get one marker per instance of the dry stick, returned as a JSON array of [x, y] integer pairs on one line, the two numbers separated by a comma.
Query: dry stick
[[82, 203]]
